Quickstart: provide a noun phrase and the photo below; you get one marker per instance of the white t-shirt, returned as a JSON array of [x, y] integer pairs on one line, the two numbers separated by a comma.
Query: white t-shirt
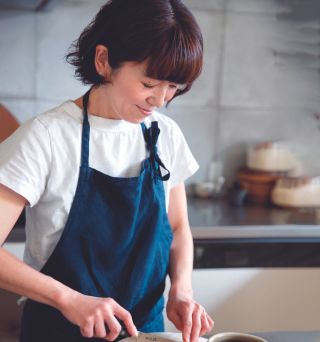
[[41, 161]]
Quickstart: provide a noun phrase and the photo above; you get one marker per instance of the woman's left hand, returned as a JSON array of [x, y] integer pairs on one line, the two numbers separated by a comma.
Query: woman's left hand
[[188, 316]]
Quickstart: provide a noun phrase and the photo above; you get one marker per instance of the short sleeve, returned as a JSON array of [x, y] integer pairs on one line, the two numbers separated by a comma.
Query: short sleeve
[[183, 163], [25, 159]]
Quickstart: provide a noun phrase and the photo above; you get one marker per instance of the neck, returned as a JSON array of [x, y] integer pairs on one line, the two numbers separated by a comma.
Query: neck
[[98, 104]]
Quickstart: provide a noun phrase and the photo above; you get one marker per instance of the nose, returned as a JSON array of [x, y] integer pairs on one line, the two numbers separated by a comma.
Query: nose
[[158, 97]]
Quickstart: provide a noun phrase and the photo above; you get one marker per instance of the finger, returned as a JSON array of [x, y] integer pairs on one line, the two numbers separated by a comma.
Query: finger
[[196, 323], [113, 327], [205, 325], [175, 318], [126, 318], [99, 327], [210, 321], [187, 325], [86, 329]]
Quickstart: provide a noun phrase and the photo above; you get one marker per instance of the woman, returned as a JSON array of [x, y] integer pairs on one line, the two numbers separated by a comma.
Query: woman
[[106, 206]]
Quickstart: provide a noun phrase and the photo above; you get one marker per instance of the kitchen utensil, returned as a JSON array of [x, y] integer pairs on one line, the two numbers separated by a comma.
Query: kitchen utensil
[[297, 192], [235, 337], [144, 337], [271, 156], [204, 189], [159, 337], [258, 184]]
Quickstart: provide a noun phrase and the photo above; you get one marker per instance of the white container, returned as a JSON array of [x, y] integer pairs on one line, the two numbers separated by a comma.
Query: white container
[[297, 192], [270, 157]]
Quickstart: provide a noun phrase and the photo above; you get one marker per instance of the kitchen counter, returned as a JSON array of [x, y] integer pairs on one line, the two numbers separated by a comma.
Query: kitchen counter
[[218, 219], [288, 336], [228, 236]]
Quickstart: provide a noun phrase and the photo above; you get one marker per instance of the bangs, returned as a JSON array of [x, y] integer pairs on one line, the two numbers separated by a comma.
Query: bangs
[[177, 57]]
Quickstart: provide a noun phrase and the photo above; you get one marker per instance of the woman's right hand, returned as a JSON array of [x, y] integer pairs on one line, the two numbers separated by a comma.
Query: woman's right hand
[[97, 317], [91, 314]]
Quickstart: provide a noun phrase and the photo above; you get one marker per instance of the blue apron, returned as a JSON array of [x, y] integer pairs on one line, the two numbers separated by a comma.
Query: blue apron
[[116, 243]]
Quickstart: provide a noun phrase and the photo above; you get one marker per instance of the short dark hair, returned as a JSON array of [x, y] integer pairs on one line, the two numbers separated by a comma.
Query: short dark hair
[[162, 32]]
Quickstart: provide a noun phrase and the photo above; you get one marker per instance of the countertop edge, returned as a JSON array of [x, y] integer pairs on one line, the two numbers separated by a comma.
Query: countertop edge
[[292, 231]]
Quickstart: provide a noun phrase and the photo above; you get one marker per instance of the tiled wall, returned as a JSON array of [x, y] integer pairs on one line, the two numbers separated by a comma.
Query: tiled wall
[[261, 78]]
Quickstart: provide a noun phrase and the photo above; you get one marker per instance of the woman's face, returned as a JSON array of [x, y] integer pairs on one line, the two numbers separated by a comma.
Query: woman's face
[[132, 96]]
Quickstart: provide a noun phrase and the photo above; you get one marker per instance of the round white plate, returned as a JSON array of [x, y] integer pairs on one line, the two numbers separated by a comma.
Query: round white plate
[[175, 337]]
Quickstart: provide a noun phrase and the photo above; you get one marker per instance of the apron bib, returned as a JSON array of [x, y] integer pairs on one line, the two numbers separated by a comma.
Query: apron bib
[[116, 243]]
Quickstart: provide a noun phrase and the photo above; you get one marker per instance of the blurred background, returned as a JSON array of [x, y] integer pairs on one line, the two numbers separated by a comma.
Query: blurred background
[[261, 77], [251, 118]]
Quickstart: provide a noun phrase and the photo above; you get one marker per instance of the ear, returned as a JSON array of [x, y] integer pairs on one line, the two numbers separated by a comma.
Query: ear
[[101, 61]]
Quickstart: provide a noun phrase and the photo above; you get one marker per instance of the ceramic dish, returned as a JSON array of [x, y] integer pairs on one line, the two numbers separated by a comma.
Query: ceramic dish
[[174, 337], [235, 337], [270, 157], [298, 192]]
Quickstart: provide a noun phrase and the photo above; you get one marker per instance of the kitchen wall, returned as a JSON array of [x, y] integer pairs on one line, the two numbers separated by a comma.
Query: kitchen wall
[[261, 77]]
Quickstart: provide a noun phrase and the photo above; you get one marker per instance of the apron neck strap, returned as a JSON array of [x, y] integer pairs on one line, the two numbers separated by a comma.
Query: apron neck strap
[[150, 134], [85, 131]]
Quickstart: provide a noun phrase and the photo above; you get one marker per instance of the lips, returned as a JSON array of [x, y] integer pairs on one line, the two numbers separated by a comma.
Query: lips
[[145, 111]]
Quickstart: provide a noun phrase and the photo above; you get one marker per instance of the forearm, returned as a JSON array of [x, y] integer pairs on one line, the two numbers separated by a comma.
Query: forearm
[[181, 260], [18, 277]]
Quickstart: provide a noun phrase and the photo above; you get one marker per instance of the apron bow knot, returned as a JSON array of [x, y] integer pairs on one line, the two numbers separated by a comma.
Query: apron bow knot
[[151, 135]]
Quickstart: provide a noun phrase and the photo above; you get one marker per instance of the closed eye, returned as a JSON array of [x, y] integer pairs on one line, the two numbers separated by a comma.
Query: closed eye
[[147, 85], [173, 86]]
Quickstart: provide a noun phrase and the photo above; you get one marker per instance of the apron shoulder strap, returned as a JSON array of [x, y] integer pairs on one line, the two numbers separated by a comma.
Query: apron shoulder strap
[[85, 131]]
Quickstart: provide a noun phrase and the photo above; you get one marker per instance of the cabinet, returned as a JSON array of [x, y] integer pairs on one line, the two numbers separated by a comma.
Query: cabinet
[[256, 299]]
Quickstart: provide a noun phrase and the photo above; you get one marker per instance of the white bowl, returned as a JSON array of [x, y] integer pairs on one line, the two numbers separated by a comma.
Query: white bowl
[[297, 192], [235, 337], [174, 337], [270, 157]]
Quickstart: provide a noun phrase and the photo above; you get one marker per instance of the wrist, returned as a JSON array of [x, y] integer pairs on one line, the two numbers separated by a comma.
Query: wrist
[[178, 289], [61, 295]]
